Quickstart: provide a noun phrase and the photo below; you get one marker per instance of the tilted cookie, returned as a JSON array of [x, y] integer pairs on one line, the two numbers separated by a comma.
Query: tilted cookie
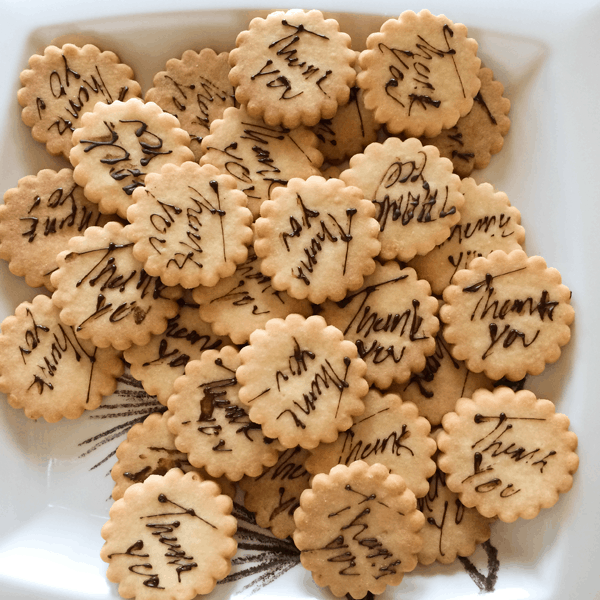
[[46, 370], [302, 380], [419, 73], [392, 321], [260, 157], [196, 90], [245, 301], [118, 144], [507, 453], [210, 423], [105, 293], [65, 83], [37, 220], [417, 196], [169, 538], [292, 68], [357, 529], [317, 238], [189, 225], [507, 315]]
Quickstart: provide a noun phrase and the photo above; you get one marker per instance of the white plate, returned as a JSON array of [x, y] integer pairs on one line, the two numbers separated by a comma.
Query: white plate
[[54, 497]]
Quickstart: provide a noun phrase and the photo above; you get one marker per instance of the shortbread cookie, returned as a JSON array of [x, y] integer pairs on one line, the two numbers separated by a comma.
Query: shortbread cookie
[[118, 144], [507, 453], [37, 220], [275, 494], [210, 423], [65, 83], [106, 295], [196, 90], [150, 450], [389, 432], [161, 361], [417, 196], [358, 529], [487, 222], [169, 538], [245, 301], [317, 238], [292, 68], [419, 73], [507, 315], [46, 370], [260, 157], [480, 133], [392, 321], [302, 380], [189, 225]]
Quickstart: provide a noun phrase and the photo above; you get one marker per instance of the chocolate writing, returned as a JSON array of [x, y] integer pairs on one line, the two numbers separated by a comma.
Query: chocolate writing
[[163, 460]]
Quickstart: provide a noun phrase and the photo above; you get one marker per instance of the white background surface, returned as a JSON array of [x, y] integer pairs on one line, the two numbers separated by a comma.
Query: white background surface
[[546, 54]]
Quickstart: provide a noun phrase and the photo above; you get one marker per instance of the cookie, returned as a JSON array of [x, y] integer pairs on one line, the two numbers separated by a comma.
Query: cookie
[[416, 195], [118, 144], [169, 538], [507, 453], [37, 220], [357, 529], [302, 380], [189, 225], [258, 156], [487, 222], [317, 238], [65, 83], [419, 73], [292, 68], [106, 295], [46, 370], [392, 321], [196, 90], [210, 423], [507, 315]]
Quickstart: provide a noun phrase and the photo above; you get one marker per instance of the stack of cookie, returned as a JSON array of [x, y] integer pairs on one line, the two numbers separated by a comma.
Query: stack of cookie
[[305, 325]]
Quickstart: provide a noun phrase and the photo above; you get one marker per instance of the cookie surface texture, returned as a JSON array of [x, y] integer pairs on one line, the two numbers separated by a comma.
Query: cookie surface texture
[[169, 538], [507, 453], [358, 529], [292, 68], [302, 381]]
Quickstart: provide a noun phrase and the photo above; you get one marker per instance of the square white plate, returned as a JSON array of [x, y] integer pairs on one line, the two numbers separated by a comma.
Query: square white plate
[[54, 493]]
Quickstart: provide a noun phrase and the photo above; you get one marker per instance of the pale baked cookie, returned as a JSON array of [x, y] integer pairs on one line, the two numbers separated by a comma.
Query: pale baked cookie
[[196, 90], [392, 321], [389, 432], [245, 301], [162, 360], [507, 315], [417, 196], [169, 538], [487, 222], [37, 220], [358, 529], [480, 133], [65, 83], [419, 73], [260, 157], [189, 225], [210, 423], [507, 453], [118, 144], [317, 238], [275, 494], [302, 380], [46, 370], [292, 68], [106, 295]]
